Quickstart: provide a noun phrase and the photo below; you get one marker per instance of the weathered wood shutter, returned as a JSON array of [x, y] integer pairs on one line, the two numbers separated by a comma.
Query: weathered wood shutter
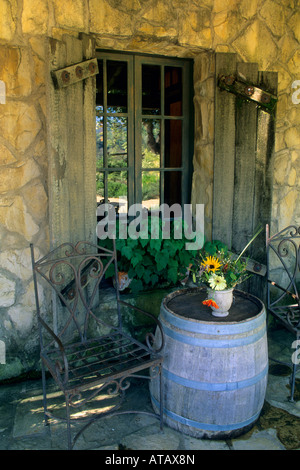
[[244, 141], [71, 139]]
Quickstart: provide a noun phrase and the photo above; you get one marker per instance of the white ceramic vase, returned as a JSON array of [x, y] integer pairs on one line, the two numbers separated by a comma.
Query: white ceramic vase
[[223, 299]]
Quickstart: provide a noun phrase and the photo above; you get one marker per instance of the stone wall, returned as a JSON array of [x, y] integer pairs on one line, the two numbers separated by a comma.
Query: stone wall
[[262, 31]]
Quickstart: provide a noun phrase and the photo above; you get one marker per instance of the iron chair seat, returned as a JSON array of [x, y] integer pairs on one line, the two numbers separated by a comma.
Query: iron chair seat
[[87, 352], [283, 302], [288, 315], [98, 361]]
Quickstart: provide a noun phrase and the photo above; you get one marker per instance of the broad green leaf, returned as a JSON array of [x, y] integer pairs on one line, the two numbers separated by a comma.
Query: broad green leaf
[[110, 271], [139, 269], [173, 263], [155, 244], [132, 242], [136, 259], [126, 251], [144, 242], [154, 279], [147, 276], [172, 275], [161, 259]]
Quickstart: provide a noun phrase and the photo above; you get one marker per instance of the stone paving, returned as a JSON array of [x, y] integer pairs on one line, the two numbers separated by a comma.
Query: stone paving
[[22, 426]]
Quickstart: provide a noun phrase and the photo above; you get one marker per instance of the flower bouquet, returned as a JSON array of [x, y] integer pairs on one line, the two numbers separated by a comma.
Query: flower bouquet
[[220, 271]]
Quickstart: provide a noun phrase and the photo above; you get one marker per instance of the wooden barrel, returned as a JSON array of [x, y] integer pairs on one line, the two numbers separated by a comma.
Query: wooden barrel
[[215, 369]]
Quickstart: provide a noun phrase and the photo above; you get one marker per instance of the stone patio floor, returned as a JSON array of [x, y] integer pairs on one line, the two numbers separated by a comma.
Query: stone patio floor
[[278, 427]]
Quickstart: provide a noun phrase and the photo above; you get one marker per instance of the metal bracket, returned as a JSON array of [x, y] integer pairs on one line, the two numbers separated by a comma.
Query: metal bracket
[[248, 91], [74, 73]]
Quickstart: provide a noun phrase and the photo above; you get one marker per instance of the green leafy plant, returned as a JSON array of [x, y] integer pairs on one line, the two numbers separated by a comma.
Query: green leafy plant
[[152, 262]]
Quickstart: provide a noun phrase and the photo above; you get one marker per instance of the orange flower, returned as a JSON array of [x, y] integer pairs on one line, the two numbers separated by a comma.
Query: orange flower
[[210, 303]]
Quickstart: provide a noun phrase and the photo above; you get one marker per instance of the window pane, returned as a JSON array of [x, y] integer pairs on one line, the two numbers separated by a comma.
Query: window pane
[[150, 143], [99, 87], [172, 189], [116, 87], [116, 185], [151, 189], [99, 138], [173, 143], [100, 186], [116, 142], [151, 89], [173, 91]]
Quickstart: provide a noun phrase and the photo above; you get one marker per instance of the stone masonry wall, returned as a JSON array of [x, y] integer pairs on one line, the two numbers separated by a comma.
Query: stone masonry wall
[[262, 31]]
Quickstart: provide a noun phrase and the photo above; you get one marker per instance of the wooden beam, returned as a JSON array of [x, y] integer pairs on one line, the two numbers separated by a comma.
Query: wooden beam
[[244, 168], [224, 154]]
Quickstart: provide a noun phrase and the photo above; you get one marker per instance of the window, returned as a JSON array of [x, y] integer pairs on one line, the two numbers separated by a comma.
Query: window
[[143, 128]]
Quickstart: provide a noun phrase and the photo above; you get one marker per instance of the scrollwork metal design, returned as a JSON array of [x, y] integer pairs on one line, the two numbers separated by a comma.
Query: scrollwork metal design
[[114, 388], [293, 317], [287, 249], [155, 344], [285, 245], [155, 371], [80, 265]]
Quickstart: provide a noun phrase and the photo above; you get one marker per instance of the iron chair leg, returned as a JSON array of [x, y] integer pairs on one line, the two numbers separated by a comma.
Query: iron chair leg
[[44, 394], [292, 382], [68, 422], [161, 398]]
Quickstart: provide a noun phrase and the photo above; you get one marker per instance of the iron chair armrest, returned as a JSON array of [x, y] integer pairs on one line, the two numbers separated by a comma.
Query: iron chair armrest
[[62, 350], [294, 296], [149, 336]]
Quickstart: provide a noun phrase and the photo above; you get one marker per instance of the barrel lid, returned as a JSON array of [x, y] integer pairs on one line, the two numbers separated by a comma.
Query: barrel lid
[[187, 303]]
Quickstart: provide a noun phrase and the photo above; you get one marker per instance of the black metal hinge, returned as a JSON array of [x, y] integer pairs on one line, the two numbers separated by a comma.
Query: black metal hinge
[[265, 100]]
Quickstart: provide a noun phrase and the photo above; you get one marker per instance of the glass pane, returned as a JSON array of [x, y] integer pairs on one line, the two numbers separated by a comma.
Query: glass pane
[[173, 143], [172, 189], [116, 142], [99, 138], [150, 143], [173, 91], [151, 89], [100, 186], [116, 186], [151, 189], [99, 87], [116, 86]]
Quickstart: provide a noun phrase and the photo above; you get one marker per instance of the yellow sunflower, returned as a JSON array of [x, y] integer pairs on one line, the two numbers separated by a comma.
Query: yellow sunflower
[[211, 263]]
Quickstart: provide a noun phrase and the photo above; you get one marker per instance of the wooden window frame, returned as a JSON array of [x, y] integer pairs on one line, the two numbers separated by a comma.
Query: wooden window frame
[[134, 116]]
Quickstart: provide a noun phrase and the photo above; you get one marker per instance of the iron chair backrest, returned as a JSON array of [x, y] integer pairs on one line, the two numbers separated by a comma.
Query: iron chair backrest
[[283, 266], [75, 272]]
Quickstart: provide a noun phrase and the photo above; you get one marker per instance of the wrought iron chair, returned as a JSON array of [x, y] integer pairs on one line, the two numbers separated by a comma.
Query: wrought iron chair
[[88, 354], [283, 266]]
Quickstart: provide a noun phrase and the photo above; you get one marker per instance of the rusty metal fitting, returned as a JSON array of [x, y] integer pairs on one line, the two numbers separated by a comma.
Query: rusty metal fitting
[[79, 71], [257, 267], [265, 98], [229, 80], [92, 67], [65, 76], [249, 90]]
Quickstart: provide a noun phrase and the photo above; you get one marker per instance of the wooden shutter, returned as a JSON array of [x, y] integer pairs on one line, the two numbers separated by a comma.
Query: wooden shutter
[[244, 142], [71, 139]]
